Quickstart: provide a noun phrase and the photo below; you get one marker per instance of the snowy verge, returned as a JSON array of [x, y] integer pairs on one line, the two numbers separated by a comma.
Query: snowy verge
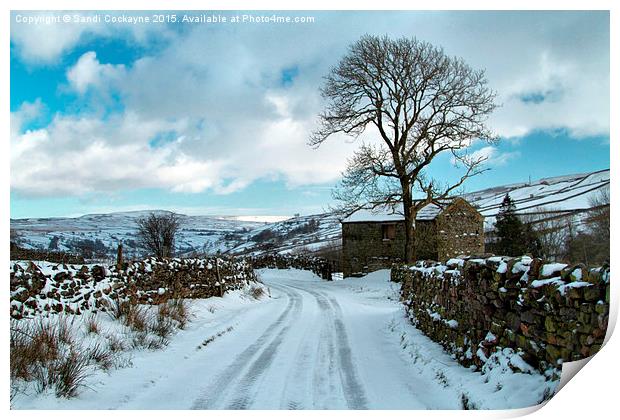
[[496, 386], [110, 347]]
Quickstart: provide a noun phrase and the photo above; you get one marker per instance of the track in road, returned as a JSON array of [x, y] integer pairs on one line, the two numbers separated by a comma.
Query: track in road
[[313, 345]]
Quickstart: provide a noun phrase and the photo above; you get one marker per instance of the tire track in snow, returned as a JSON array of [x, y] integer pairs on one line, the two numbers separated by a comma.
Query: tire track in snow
[[243, 390], [225, 379], [325, 385], [293, 392], [352, 387]]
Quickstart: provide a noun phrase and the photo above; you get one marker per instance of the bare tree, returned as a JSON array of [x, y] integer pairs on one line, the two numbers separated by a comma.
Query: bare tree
[[589, 241], [553, 228], [157, 233], [598, 223], [421, 103], [599, 219], [16, 237]]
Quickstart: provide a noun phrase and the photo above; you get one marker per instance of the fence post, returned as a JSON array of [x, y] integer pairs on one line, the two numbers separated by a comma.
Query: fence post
[[217, 276], [119, 257]]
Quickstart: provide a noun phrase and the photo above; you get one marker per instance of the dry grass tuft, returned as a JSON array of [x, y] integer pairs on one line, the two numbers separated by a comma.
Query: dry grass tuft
[[92, 325], [257, 292], [44, 352]]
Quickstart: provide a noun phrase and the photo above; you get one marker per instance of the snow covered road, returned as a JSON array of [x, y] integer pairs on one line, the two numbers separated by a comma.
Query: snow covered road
[[312, 345], [309, 356]]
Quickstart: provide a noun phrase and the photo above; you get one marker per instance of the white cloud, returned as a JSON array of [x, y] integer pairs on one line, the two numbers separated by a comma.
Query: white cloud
[[89, 72], [45, 42], [216, 97], [77, 155], [27, 112], [493, 157]]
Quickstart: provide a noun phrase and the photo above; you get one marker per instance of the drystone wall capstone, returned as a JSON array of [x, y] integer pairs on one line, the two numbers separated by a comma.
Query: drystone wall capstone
[[48, 288], [547, 313]]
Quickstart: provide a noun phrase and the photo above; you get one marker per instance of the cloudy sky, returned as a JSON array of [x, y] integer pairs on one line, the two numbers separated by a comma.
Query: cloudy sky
[[214, 118]]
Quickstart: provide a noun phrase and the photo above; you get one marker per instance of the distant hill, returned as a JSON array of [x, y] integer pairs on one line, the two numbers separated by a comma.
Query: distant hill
[[568, 194], [105, 231], [562, 195]]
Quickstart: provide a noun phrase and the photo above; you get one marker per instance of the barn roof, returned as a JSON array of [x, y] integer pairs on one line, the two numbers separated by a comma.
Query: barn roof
[[394, 213]]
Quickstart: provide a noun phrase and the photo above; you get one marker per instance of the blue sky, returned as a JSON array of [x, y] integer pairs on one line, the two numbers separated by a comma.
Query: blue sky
[[214, 119]]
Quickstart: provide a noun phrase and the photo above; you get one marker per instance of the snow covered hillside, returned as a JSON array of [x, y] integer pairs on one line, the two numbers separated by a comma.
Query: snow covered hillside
[[561, 194], [105, 231], [295, 234], [569, 194]]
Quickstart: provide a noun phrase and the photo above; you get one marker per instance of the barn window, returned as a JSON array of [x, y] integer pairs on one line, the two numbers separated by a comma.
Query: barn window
[[388, 232]]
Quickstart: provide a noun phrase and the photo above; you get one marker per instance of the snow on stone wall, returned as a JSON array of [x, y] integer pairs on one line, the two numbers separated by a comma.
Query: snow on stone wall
[[547, 313], [319, 266], [40, 287]]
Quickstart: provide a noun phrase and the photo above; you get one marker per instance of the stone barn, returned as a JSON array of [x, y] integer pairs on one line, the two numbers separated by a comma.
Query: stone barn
[[372, 240]]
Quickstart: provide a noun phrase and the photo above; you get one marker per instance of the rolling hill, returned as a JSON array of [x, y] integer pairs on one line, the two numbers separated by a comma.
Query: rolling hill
[[548, 197]]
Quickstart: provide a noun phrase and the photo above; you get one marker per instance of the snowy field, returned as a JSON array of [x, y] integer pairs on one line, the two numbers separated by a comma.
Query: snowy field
[[311, 344]]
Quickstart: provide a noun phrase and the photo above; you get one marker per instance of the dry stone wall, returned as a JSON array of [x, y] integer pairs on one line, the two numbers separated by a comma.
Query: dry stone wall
[[547, 313], [18, 253], [319, 266], [43, 287]]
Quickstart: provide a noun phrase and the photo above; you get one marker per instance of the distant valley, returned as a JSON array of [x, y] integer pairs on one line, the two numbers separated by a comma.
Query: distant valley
[[562, 195]]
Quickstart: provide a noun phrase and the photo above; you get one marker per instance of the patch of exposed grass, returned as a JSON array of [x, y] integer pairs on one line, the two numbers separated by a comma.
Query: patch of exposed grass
[[44, 352], [92, 325], [162, 324], [255, 292], [103, 357], [50, 354], [213, 337], [466, 403]]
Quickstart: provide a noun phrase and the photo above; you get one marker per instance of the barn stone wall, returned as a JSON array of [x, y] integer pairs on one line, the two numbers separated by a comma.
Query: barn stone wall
[[365, 250], [547, 313], [460, 231], [457, 231]]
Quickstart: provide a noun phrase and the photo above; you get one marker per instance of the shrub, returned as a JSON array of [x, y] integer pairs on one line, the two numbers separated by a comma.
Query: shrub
[[115, 344], [69, 374], [156, 343], [162, 324], [44, 352], [256, 292], [178, 311], [117, 308], [129, 313], [136, 318], [92, 325], [102, 357]]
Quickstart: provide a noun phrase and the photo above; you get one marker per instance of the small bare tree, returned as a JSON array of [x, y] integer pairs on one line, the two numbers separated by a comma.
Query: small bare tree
[[157, 233], [553, 228], [599, 224], [16, 237], [600, 216], [421, 103]]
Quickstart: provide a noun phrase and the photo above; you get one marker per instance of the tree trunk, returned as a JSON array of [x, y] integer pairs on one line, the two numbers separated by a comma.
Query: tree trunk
[[409, 223]]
